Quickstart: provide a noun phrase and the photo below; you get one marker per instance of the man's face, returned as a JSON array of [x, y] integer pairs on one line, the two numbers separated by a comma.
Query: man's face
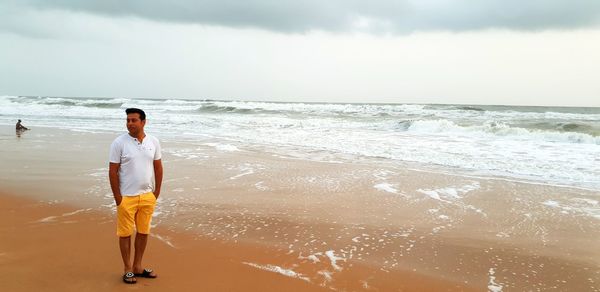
[[134, 123]]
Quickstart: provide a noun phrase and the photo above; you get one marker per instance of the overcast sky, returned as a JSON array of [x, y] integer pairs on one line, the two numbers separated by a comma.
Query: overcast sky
[[405, 51]]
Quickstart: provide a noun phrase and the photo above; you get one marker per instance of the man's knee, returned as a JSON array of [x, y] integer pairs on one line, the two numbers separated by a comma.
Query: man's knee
[[124, 232]]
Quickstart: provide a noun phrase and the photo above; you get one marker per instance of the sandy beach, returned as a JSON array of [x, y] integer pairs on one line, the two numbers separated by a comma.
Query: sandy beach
[[57, 248], [247, 220]]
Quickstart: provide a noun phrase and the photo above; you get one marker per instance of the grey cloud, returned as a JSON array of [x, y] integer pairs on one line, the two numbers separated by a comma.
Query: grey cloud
[[400, 16]]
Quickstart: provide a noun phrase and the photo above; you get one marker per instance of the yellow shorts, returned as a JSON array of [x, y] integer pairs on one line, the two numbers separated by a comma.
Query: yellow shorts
[[135, 209]]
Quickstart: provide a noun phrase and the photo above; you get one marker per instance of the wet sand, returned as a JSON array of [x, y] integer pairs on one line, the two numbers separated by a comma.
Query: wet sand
[[49, 248], [60, 248], [342, 223]]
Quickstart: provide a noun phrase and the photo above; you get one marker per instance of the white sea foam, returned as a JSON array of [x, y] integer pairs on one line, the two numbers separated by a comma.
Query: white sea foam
[[448, 194], [587, 201], [48, 219], [245, 169], [167, 241], [260, 186], [76, 211], [386, 187], [313, 257], [276, 269], [580, 206], [500, 129], [53, 218], [247, 172], [333, 259], [432, 194], [492, 285], [551, 203], [223, 147], [326, 274]]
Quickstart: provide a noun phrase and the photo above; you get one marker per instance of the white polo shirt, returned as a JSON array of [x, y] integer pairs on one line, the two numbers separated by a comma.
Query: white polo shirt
[[136, 171]]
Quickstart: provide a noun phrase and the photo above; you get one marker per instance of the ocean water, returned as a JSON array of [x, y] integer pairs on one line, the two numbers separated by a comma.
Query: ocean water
[[547, 145]]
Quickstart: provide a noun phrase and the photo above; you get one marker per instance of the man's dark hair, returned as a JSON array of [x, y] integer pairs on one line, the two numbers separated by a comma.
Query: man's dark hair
[[19, 121], [136, 111]]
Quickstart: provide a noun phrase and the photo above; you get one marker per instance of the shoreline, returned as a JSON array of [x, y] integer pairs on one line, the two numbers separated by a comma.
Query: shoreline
[[432, 169]]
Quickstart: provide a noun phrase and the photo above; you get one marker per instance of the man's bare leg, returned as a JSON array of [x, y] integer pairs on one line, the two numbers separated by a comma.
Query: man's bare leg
[[140, 246], [125, 246]]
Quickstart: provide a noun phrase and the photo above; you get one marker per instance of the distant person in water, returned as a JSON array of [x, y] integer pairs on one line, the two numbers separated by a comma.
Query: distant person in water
[[135, 173], [20, 127]]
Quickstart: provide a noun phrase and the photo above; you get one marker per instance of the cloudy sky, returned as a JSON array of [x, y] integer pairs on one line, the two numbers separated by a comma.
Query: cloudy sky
[[535, 52]]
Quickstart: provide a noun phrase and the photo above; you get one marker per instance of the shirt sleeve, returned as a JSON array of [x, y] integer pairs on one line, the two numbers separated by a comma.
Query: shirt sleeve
[[115, 152], [158, 152]]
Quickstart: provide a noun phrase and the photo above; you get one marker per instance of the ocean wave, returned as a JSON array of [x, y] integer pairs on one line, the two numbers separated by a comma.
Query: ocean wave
[[213, 108], [343, 111], [561, 133], [546, 146], [66, 102], [103, 104], [469, 108], [576, 127], [451, 112]]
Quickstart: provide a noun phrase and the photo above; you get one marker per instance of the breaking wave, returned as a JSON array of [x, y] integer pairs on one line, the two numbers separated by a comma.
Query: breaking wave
[[562, 133], [68, 102], [538, 143]]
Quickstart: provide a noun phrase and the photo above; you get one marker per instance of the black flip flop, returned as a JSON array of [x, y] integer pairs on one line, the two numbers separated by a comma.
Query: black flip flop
[[129, 278], [147, 273]]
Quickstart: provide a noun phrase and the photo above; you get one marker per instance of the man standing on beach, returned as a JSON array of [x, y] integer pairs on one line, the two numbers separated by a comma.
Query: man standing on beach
[[135, 158]]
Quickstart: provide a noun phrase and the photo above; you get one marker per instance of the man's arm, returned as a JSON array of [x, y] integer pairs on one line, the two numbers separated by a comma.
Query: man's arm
[[158, 176], [113, 176]]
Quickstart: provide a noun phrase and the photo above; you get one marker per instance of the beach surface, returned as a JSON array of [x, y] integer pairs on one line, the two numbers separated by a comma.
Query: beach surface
[[246, 220], [60, 248]]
